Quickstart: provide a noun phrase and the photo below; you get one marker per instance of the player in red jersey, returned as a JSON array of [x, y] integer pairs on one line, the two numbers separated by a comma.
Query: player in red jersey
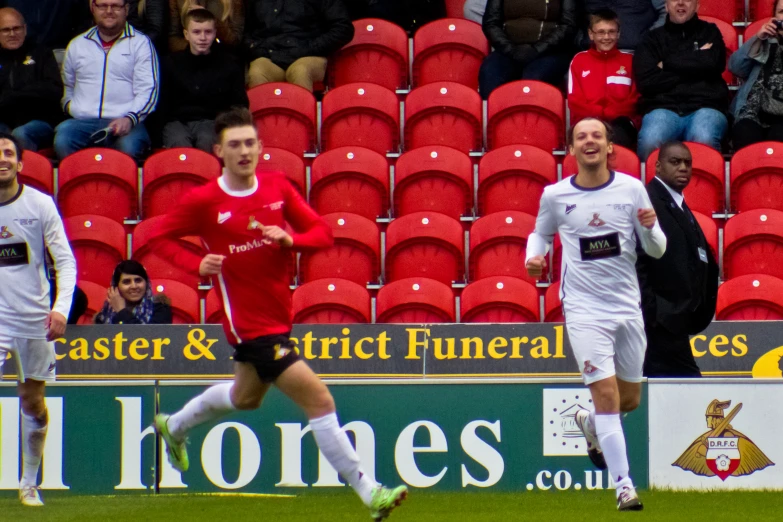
[[240, 217]]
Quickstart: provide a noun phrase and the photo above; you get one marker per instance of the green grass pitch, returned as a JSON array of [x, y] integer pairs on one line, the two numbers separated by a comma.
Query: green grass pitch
[[421, 506]]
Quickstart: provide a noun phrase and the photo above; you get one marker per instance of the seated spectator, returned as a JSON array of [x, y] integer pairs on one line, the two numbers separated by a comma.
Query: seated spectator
[[638, 17], [532, 40], [197, 84], [129, 299], [149, 17], [30, 85], [600, 81], [230, 16], [289, 41], [678, 69], [758, 106], [473, 10], [108, 94]]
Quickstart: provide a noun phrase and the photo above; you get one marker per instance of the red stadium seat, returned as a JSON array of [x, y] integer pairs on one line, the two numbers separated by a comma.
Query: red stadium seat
[[499, 300], [425, 244], [281, 160], [101, 182], [497, 245], [710, 230], [331, 301], [729, 38], [756, 175], [214, 308], [185, 302], [415, 300], [513, 178], [454, 8], [437, 179], [378, 53], [96, 297], [753, 244], [37, 172], [449, 50], [725, 10], [361, 115], [159, 267], [753, 29], [350, 179], [622, 160], [705, 193], [553, 308], [355, 255], [752, 297], [98, 243], [761, 10], [526, 112], [285, 116], [443, 113], [171, 173]]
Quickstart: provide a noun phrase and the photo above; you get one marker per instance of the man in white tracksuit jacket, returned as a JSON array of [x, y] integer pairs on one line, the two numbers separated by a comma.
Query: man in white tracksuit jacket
[[111, 76]]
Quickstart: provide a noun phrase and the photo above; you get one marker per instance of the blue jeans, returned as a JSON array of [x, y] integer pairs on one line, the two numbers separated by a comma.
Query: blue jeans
[[498, 69], [33, 135], [706, 126], [74, 135]]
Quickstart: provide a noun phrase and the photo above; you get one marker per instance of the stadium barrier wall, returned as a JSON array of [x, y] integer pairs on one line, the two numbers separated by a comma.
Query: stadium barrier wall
[[736, 349], [446, 434]]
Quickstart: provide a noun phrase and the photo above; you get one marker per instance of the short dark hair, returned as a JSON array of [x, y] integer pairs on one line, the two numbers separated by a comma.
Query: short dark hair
[[232, 118], [198, 15], [664, 150], [602, 15], [10, 137], [609, 130]]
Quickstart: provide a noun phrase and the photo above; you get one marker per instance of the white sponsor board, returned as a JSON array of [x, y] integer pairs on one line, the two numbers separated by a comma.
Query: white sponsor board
[[716, 436], [562, 437]]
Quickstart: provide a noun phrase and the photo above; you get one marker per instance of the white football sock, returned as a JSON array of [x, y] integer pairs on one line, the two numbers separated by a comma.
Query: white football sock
[[609, 431], [33, 438], [213, 403], [337, 448]]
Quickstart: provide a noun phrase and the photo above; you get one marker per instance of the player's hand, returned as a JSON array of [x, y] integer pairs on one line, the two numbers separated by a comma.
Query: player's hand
[[767, 30], [535, 266], [646, 217], [55, 325], [212, 264], [121, 126], [277, 235], [116, 301]]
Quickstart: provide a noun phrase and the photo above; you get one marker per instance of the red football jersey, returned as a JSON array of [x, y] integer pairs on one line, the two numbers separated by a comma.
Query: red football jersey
[[253, 283]]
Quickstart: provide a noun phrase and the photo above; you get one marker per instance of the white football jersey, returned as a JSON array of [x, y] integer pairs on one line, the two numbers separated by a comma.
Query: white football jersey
[[598, 229], [29, 224]]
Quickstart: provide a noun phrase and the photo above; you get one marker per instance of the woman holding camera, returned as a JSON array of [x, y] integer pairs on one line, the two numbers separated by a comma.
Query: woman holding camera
[[758, 107]]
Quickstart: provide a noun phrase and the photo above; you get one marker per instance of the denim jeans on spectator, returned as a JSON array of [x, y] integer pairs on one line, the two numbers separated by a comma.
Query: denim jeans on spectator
[[498, 69], [74, 135], [33, 135], [707, 126]]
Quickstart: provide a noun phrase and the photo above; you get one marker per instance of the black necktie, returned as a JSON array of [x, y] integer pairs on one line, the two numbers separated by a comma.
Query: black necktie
[[689, 214]]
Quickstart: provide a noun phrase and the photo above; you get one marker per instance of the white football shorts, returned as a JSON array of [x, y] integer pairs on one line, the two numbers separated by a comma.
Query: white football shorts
[[35, 358], [606, 347]]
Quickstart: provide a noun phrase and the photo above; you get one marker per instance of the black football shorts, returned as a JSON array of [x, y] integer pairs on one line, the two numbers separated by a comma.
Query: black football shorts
[[271, 355]]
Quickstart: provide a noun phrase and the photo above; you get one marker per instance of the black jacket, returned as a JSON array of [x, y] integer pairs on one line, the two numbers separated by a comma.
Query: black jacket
[[555, 19], [30, 86], [679, 291], [153, 22], [286, 30], [161, 314], [690, 78], [199, 87]]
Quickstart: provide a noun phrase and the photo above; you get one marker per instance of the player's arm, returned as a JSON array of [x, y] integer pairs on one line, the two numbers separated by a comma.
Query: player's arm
[[311, 232], [183, 220], [65, 266], [651, 236], [539, 241]]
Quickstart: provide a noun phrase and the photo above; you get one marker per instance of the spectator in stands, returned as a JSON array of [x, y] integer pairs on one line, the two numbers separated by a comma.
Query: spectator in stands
[[678, 69], [289, 41], [474, 10], [637, 16], [129, 299], [30, 85], [197, 84], [600, 81], [108, 94], [230, 16], [52, 23], [149, 17], [758, 107], [532, 40]]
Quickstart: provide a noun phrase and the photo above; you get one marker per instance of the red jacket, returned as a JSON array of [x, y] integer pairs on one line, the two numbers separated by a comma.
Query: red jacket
[[601, 85]]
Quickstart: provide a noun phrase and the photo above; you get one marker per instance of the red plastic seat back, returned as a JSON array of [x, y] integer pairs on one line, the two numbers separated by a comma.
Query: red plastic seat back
[[497, 245], [756, 174], [753, 244], [553, 308], [169, 174], [214, 308], [526, 112], [761, 10], [285, 116], [185, 302], [449, 50], [361, 115], [622, 160], [443, 113], [499, 300], [157, 266], [98, 243], [513, 178], [726, 10], [331, 301], [752, 297], [96, 297], [37, 172], [415, 300], [280, 160]]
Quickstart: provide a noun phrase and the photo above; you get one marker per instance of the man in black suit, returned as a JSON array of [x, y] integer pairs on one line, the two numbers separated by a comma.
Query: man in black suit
[[679, 290]]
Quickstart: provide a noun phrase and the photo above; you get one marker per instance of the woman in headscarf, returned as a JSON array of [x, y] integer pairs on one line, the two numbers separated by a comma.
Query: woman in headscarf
[[129, 299]]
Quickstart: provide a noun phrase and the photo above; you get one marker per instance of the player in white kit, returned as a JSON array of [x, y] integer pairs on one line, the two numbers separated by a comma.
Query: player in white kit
[[601, 215], [30, 224]]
